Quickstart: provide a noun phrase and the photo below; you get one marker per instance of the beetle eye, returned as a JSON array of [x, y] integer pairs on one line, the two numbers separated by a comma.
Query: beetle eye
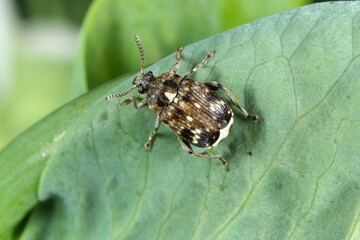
[[141, 89], [150, 73]]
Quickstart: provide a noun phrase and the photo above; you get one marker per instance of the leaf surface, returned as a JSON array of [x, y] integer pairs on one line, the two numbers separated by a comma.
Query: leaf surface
[[82, 173]]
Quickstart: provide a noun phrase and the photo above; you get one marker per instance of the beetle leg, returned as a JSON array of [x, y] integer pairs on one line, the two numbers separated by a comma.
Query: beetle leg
[[176, 65], [152, 135], [143, 102], [216, 86], [186, 146], [206, 154], [207, 58]]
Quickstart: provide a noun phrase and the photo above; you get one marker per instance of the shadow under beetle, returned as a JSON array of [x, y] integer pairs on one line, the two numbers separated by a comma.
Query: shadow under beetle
[[193, 111]]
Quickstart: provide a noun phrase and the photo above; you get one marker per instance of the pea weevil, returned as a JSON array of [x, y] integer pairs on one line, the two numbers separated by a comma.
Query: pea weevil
[[193, 111]]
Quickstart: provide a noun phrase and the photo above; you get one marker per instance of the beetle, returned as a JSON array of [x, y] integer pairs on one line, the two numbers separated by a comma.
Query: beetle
[[193, 111]]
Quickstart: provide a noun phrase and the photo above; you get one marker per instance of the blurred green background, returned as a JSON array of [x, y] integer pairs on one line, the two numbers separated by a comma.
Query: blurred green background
[[39, 46]]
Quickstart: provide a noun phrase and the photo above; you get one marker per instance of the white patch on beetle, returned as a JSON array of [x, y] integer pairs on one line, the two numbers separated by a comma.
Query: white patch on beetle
[[197, 105], [170, 96], [224, 132], [189, 118]]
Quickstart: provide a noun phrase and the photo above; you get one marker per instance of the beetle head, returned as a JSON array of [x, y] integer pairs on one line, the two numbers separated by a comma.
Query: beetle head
[[142, 81]]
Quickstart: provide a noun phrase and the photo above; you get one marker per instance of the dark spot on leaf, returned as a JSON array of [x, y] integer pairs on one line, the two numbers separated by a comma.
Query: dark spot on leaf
[[113, 184], [87, 145], [104, 116]]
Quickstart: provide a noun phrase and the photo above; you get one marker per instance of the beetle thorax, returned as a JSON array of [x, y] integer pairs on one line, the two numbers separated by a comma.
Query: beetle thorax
[[162, 91]]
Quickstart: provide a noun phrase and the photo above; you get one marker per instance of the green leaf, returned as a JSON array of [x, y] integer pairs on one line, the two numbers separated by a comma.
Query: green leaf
[[82, 173], [106, 50]]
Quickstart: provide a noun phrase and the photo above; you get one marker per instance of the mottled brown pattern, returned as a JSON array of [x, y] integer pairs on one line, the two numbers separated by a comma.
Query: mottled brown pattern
[[198, 126], [156, 97]]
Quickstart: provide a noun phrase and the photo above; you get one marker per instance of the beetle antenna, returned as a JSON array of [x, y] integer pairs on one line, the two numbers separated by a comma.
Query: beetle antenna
[[119, 94], [141, 51]]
